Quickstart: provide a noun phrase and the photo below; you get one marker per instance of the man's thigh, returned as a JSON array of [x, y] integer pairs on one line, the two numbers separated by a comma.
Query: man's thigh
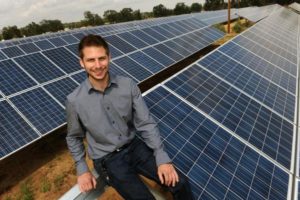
[[124, 178]]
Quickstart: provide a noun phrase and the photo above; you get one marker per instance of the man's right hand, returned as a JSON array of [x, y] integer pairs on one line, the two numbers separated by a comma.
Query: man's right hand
[[86, 182]]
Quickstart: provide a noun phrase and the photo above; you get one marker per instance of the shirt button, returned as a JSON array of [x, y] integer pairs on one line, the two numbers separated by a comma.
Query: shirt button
[[113, 122], [107, 108]]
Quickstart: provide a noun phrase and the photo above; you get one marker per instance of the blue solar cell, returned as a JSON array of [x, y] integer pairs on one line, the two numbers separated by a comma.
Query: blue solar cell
[[73, 48], [80, 77], [133, 68], [131, 39], [184, 25], [114, 52], [64, 59], [79, 35], [177, 48], [169, 52], [69, 39], [171, 29], [159, 56], [58, 42], [146, 62], [248, 119], [217, 164], [61, 89], [178, 27], [44, 44], [144, 37], [12, 78], [2, 56], [14, 132], [267, 54], [164, 32], [12, 51], [39, 67], [273, 46], [185, 43], [251, 83], [29, 48], [119, 44], [261, 66], [41, 110], [114, 69], [154, 34]]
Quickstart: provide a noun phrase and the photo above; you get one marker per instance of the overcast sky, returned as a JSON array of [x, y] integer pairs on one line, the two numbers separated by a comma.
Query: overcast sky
[[23, 12]]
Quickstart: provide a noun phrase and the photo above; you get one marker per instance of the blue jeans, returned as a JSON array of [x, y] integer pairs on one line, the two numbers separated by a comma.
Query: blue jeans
[[121, 170]]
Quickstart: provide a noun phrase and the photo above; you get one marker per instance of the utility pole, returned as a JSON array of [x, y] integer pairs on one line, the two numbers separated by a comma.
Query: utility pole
[[228, 23]]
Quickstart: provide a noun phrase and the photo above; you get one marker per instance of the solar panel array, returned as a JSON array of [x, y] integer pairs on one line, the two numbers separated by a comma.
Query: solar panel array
[[228, 120], [255, 14], [36, 74]]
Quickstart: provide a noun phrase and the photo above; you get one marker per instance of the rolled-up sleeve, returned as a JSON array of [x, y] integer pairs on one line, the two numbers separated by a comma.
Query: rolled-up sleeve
[[145, 123], [75, 138]]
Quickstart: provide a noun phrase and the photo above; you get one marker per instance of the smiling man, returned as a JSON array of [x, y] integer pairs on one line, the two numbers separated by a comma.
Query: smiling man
[[109, 112]]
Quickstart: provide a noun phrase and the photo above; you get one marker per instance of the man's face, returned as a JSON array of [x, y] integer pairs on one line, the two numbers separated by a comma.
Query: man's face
[[95, 61]]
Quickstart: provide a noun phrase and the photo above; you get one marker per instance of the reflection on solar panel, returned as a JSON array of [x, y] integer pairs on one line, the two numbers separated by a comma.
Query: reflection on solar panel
[[228, 120], [38, 73]]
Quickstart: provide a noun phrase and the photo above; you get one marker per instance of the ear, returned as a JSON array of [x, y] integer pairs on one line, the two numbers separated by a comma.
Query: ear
[[81, 63]]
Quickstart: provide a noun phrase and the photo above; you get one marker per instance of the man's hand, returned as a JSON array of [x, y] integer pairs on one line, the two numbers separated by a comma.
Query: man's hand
[[167, 174], [86, 182]]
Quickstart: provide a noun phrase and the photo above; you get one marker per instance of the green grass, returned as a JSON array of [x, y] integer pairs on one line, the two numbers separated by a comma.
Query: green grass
[[45, 185]]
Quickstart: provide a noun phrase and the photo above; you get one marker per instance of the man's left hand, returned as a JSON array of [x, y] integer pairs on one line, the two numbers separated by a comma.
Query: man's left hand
[[167, 174]]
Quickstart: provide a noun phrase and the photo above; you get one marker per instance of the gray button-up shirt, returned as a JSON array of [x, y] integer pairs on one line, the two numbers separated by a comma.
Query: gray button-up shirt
[[109, 120]]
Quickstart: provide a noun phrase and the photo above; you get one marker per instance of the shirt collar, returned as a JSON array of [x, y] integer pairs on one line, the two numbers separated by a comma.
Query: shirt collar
[[112, 81]]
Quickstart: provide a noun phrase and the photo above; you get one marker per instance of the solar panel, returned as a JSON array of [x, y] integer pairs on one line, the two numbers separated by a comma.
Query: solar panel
[[146, 62], [236, 111], [12, 51], [136, 42], [44, 44], [63, 59], [143, 36], [79, 77], [13, 79], [133, 68], [119, 44], [2, 56], [15, 132], [169, 52], [61, 89], [40, 109], [40, 68], [29, 48], [58, 42], [218, 165], [70, 39], [159, 56]]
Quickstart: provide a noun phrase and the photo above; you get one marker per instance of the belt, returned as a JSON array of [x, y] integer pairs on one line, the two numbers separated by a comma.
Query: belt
[[122, 147]]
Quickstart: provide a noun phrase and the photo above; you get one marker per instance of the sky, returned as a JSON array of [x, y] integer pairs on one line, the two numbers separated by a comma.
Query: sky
[[23, 12]]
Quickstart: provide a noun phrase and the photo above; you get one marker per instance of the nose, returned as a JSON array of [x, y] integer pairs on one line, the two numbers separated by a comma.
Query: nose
[[97, 63]]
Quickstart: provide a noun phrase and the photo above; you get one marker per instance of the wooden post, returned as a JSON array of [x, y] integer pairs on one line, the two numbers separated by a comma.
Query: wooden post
[[228, 23]]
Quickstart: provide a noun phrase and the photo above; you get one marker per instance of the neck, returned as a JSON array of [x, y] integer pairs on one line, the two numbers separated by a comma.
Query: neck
[[99, 84]]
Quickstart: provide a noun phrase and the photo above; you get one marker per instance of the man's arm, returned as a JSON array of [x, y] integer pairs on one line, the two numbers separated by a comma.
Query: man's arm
[[75, 136], [145, 123]]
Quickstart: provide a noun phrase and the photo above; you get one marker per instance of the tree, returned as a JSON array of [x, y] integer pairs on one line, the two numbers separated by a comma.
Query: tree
[[181, 8], [31, 29], [111, 16], [214, 5], [51, 25], [137, 15], [196, 7], [91, 19], [11, 32], [160, 11], [126, 14]]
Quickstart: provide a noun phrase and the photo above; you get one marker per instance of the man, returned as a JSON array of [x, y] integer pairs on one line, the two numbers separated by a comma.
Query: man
[[109, 110]]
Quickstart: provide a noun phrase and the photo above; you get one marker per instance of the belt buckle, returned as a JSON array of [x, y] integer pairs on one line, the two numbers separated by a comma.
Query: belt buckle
[[118, 149]]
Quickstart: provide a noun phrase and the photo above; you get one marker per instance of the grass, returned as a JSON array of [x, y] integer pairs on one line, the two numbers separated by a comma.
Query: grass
[[26, 191], [59, 180], [45, 185]]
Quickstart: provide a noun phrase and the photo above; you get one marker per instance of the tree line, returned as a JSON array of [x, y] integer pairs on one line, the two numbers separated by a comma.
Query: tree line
[[124, 15]]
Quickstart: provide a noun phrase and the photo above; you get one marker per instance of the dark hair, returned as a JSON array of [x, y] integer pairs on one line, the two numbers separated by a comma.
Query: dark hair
[[92, 40]]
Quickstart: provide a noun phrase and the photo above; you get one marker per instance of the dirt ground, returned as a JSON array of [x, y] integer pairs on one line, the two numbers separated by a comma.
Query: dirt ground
[[45, 169]]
